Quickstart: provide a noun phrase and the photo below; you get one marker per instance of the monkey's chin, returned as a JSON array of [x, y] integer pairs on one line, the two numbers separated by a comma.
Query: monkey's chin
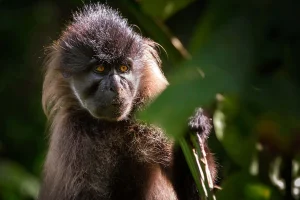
[[112, 112]]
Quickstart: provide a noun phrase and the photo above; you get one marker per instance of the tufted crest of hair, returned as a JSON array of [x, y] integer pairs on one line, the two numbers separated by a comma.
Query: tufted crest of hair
[[98, 31]]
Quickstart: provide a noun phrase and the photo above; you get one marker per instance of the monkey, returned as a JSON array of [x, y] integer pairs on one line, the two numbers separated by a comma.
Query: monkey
[[98, 74]]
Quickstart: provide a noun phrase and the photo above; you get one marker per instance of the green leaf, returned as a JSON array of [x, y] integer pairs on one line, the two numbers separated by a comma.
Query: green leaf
[[172, 109], [217, 13], [271, 92], [163, 9], [191, 161], [230, 48], [257, 191], [13, 176], [225, 64], [234, 128], [243, 186], [154, 29]]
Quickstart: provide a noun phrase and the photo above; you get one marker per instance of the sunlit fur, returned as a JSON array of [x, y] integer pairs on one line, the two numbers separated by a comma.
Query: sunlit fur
[[91, 158]]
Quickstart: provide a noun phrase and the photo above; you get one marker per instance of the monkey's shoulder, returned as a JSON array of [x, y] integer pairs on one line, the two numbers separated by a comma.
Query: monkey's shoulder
[[145, 143]]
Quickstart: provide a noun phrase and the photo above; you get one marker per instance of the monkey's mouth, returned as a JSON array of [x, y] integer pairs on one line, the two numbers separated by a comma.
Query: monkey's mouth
[[112, 111], [118, 102]]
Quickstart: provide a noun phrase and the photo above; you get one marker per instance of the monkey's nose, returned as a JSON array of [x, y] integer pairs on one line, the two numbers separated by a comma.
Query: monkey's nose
[[113, 89], [116, 89], [115, 85]]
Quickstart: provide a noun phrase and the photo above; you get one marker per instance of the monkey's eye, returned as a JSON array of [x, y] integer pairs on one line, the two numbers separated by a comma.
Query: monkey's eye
[[123, 68], [100, 68]]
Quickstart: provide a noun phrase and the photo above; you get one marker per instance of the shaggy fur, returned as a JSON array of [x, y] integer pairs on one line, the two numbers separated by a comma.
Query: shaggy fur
[[92, 158]]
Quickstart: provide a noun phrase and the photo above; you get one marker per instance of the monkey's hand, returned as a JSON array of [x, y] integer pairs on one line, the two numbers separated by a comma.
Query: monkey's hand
[[200, 124]]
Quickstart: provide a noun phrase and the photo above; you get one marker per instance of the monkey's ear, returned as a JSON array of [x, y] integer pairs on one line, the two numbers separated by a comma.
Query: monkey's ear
[[153, 81], [55, 86]]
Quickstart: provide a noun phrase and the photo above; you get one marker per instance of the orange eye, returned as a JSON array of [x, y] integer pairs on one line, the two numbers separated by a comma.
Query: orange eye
[[123, 68], [100, 68]]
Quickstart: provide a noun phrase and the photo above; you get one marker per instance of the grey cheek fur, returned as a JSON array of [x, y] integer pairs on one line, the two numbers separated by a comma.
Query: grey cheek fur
[[81, 82], [76, 93]]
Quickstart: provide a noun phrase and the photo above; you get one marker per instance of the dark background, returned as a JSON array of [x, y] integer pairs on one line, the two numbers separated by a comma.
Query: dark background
[[254, 43]]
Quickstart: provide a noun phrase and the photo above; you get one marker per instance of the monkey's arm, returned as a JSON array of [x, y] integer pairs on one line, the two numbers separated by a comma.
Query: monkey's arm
[[182, 179]]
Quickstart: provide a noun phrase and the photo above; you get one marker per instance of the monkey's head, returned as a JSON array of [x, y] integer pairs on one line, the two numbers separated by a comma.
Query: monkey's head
[[102, 65]]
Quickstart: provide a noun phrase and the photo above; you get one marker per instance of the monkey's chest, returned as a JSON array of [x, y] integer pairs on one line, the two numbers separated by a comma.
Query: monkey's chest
[[135, 180], [131, 170]]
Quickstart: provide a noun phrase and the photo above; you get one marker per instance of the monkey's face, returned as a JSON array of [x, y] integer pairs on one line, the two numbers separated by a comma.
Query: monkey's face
[[104, 68], [109, 66], [107, 90]]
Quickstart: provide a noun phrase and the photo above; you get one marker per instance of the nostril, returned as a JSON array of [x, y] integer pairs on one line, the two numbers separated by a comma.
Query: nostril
[[112, 89]]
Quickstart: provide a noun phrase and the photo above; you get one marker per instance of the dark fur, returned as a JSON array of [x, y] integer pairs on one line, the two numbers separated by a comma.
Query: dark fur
[[92, 158]]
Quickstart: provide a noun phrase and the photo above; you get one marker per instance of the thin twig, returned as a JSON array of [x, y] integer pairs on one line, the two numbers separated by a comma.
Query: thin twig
[[192, 163], [200, 156]]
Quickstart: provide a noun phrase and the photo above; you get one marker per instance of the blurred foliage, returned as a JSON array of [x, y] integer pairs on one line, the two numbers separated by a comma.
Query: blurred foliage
[[238, 59]]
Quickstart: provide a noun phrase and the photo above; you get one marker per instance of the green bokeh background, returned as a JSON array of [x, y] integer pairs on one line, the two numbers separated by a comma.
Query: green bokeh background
[[248, 50]]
